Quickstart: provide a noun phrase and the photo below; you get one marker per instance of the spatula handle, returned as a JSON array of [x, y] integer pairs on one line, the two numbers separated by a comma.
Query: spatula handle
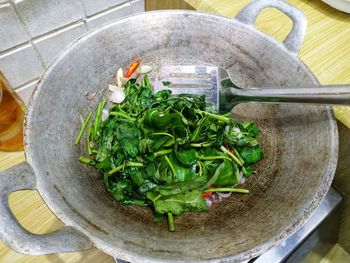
[[330, 94]]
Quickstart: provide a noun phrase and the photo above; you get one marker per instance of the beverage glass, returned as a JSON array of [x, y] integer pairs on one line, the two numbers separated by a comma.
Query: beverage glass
[[12, 111]]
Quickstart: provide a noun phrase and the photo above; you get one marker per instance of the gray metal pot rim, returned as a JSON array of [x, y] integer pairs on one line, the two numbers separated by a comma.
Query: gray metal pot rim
[[298, 222]]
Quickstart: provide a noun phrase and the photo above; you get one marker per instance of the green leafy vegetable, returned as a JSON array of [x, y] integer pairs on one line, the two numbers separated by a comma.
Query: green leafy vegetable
[[84, 124], [227, 83], [181, 203], [252, 154], [187, 157], [165, 151], [229, 174], [166, 83]]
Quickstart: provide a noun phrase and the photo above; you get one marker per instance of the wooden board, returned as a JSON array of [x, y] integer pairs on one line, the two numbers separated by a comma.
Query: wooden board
[[166, 4]]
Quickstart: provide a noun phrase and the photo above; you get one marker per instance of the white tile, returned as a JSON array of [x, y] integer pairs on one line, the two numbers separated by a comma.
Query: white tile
[[138, 6], [110, 15], [50, 45], [21, 65], [26, 91], [11, 30], [95, 6], [42, 16]]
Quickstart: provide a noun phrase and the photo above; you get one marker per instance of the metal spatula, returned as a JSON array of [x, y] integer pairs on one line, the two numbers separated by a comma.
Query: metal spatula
[[216, 84]]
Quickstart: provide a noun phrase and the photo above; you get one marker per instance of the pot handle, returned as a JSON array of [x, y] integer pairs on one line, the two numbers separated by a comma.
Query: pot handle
[[294, 39], [67, 239]]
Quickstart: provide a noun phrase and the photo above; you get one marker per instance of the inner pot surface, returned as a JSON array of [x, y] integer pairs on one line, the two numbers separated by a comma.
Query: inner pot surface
[[299, 142]]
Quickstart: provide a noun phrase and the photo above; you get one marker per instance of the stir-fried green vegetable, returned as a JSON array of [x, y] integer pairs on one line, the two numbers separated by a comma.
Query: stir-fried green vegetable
[[167, 152]]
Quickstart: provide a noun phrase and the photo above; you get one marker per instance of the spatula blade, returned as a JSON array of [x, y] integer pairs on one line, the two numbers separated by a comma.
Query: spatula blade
[[200, 80]]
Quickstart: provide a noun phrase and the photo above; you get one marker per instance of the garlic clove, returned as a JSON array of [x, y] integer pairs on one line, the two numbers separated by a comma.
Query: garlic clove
[[112, 87], [124, 80], [145, 69], [120, 72], [117, 96], [120, 75], [104, 114]]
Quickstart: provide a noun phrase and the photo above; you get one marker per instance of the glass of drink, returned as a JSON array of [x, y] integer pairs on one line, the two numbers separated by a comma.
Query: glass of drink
[[12, 111]]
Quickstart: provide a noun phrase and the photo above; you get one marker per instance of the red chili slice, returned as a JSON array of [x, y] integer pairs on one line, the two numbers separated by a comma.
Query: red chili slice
[[132, 68], [206, 194]]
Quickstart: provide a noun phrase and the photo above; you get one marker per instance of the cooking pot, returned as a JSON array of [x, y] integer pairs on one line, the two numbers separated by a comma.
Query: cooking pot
[[300, 142]]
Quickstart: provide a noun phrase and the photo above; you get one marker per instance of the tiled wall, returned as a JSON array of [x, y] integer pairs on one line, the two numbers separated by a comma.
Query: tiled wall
[[33, 32]]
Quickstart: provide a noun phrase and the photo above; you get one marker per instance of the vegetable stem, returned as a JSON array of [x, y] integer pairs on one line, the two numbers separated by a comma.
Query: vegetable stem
[[145, 82], [125, 116], [97, 122], [134, 164], [234, 190], [208, 158], [162, 152], [200, 168], [85, 160], [155, 199], [170, 165], [81, 118], [116, 169], [237, 154], [222, 148], [88, 139], [246, 125], [244, 170], [105, 180], [130, 164], [214, 116], [171, 223], [83, 127], [202, 144], [163, 133], [139, 202]]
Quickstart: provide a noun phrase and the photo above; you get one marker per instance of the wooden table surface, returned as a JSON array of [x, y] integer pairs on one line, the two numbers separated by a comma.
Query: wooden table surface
[[325, 50]]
